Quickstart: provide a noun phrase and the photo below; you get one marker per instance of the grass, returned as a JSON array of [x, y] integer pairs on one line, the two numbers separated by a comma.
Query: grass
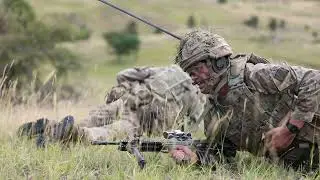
[[20, 159]]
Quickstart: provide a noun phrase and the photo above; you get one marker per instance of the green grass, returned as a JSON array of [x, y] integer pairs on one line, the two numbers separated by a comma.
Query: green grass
[[21, 159]]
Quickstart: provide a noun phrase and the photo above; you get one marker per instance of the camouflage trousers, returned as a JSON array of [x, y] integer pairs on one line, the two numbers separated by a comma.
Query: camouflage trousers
[[107, 122], [101, 124]]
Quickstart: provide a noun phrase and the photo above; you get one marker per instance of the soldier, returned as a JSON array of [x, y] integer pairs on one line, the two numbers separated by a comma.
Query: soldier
[[145, 100], [259, 107]]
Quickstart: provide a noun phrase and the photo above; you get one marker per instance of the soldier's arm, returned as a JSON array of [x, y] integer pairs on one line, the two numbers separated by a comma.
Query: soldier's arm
[[102, 115], [134, 74], [302, 82]]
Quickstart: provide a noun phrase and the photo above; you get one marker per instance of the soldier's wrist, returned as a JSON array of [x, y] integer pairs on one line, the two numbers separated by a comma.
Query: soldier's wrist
[[298, 123], [294, 126]]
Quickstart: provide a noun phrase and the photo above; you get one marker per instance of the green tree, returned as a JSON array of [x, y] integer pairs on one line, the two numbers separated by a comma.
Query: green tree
[[123, 43], [29, 44], [67, 27], [253, 22], [273, 24], [315, 36]]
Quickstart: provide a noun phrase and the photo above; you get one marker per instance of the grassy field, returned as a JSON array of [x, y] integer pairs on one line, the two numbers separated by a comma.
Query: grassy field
[[20, 159]]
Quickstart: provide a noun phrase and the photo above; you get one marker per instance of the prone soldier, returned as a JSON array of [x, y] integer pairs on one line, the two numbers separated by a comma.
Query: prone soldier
[[145, 100], [263, 108]]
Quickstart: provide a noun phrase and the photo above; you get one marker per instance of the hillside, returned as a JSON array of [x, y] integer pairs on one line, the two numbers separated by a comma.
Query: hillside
[[295, 44]]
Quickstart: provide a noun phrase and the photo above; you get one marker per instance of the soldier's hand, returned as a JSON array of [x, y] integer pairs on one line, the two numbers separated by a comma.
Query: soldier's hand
[[278, 139], [182, 154]]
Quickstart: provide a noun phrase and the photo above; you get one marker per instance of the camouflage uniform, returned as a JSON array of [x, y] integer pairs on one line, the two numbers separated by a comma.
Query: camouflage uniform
[[145, 100], [261, 95]]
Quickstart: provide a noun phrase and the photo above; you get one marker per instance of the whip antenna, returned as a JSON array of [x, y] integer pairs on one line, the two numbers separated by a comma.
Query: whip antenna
[[143, 20]]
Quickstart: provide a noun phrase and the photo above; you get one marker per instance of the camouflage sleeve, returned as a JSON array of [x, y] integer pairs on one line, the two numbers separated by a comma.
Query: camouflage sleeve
[[134, 74], [303, 83], [102, 115]]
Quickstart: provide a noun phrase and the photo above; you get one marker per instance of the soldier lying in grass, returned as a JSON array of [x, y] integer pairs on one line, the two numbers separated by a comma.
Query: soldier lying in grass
[[269, 109], [145, 100]]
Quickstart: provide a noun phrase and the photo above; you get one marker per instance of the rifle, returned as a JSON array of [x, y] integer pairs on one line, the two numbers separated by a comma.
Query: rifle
[[138, 145]]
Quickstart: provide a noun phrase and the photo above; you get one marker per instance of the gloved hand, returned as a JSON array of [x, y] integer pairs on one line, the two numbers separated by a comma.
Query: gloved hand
[[182, 154]]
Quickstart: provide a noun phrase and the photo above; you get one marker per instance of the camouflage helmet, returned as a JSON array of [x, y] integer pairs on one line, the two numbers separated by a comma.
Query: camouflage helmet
[[200, 45]]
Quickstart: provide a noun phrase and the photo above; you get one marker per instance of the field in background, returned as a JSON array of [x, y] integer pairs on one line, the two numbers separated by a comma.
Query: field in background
[[20, 159], [295, 44]]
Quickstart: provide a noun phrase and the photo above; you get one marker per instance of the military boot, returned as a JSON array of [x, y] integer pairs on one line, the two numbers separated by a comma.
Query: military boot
[[33, 129], [60, 132]]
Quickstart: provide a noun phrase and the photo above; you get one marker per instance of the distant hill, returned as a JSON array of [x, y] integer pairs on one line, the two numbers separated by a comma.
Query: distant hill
[[293, 44]]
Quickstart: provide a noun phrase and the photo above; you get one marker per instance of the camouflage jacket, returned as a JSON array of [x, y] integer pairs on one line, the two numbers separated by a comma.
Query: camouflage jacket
[[160, 98], [260, 96]]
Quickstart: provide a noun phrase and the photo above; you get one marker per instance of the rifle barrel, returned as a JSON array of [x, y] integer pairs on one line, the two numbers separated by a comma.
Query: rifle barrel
[[143, 20], [105, 143]]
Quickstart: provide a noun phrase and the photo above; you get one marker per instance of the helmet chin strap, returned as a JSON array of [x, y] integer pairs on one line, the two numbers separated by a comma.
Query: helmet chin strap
[[216, 91], [221, 83]]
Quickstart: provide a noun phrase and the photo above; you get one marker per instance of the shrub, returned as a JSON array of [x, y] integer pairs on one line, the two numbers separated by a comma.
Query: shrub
[[191, 22], [273, 24], [222, 1], [252, 22], [122, 43], [315, 35]]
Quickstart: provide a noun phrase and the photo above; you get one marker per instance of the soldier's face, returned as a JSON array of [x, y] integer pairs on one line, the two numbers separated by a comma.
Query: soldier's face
[[203, 76]]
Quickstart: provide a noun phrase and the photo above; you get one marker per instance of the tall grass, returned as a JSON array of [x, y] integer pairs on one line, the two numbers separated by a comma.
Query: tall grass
[[21, 159]]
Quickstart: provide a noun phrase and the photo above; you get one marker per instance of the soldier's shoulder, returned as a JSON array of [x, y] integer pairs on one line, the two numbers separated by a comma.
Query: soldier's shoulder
[[255, 59], [239, 55], [249, 58], [237, 65]]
